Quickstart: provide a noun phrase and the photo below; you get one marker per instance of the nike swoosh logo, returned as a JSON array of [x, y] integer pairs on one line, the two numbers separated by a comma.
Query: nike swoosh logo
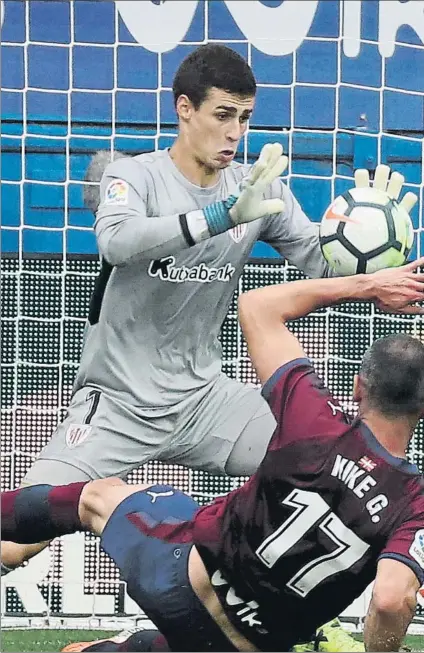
[[330, 215]]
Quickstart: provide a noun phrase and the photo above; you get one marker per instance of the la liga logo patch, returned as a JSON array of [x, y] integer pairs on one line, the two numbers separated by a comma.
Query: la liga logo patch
[[416, 549], [117, 193]]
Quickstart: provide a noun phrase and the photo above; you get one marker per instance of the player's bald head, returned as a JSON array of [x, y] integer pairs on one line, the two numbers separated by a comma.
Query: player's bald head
[[392, 374]]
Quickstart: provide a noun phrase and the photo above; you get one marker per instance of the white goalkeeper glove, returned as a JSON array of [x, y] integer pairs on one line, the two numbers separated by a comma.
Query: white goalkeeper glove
[[391, 184], [247, 203], [250, 204]]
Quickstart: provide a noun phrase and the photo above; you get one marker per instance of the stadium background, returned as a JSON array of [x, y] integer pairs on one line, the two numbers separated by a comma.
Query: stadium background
[[82, 76]]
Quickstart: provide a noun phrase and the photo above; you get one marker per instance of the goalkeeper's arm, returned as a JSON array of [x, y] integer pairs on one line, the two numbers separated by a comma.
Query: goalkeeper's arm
[[125, 232]]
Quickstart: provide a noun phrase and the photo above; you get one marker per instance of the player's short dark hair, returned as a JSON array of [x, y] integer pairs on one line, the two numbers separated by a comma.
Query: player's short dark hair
[[213, 65], [392, 373]]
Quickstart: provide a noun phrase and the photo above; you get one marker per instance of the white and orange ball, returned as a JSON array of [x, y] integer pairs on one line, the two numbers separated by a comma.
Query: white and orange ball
[[364, 230]]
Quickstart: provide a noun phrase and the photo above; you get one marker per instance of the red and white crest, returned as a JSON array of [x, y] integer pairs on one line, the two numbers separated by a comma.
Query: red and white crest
[[76, 434], [367, 464], [237, 233]]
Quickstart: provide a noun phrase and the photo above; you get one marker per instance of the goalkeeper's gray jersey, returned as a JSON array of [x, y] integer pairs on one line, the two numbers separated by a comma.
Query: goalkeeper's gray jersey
[[155, 319]]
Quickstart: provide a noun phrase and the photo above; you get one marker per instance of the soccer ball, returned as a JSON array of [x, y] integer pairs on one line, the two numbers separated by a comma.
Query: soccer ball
[[364, 230]]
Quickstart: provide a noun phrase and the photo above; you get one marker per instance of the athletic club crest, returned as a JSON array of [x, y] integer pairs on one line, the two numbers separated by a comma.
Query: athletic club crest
[[76, 434], [237, 233]]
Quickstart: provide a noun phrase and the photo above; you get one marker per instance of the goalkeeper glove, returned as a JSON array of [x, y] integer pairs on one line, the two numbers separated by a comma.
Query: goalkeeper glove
[[247, 203], [391, 184]]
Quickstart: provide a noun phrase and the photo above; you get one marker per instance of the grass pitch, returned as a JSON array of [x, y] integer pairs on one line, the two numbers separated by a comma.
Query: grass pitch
[[43, 641], [29, 641]]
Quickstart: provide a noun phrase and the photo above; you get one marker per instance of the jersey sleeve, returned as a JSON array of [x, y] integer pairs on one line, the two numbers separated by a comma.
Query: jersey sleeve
[[124, 231], [302, 405], [407, 543], [293, 235]]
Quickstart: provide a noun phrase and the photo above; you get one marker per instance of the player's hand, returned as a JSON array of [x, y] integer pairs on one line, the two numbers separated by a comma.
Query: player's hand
[[397, 290], [388, 182], [249, 204]]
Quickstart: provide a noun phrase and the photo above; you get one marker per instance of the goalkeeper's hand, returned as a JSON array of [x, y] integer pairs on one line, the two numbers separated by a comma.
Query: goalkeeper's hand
[[387, 182], [247, 203]]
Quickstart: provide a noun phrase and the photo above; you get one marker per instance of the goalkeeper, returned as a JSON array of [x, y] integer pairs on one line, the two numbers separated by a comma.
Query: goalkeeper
[[174, 230]]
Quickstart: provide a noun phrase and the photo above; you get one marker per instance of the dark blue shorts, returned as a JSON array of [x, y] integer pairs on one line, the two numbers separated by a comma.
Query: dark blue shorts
[[149, 536]]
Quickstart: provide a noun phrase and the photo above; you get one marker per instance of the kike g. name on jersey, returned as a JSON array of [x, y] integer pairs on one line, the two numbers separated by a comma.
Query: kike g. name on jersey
[[354, 475], [302, 538]]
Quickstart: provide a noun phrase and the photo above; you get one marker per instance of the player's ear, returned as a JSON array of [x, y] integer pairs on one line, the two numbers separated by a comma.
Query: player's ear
[[184, 107], [357, 389]]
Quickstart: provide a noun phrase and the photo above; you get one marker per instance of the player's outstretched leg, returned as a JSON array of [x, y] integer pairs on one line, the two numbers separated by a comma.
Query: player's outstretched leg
[[134, 639], [41, 512], [14, 555], [36, 514]]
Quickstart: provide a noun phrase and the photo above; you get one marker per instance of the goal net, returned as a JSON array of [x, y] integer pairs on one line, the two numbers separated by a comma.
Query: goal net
[[340, 85]]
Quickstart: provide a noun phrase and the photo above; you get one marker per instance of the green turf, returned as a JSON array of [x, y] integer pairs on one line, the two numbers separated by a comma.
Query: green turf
[[28, 641], [415, 642]]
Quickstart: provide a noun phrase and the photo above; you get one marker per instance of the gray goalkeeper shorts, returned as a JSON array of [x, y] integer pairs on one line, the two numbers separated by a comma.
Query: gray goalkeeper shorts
[[223, 431]]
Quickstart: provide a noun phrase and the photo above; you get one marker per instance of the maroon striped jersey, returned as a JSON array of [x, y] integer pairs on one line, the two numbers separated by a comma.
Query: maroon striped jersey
[[301, 539]]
